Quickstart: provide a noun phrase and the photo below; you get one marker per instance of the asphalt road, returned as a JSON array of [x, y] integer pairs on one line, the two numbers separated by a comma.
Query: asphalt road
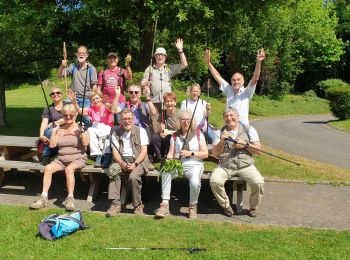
[[306, 136]]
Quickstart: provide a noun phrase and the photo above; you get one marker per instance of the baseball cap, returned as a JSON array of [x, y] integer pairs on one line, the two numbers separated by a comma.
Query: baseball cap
[[112, 54]]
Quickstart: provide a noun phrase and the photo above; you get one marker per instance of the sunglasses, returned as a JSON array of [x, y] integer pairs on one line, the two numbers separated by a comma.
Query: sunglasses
[[69, 115], [55, 93], [133, 92]]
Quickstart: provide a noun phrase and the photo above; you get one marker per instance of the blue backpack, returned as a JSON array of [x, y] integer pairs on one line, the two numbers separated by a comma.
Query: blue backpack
[[56, 226]]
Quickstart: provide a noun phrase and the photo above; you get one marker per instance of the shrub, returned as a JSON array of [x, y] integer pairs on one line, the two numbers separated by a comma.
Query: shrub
[[330, 83], [339, 98], [310, 93]]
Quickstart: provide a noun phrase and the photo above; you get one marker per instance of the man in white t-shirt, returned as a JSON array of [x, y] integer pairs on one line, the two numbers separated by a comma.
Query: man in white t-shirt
[[129, 145], [236, 158], [238, 96]]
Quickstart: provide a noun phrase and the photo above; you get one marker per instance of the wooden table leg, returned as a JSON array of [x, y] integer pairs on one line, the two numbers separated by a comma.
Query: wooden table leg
[[94, 185], [2, 174]]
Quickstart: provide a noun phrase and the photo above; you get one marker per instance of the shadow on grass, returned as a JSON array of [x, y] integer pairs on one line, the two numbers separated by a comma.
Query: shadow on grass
[[22, 121]]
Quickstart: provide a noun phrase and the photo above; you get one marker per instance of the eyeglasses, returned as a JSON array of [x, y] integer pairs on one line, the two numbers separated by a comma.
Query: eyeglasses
[[69, 115], [55, 93], [96, 98], [133, 92], [185, 119]]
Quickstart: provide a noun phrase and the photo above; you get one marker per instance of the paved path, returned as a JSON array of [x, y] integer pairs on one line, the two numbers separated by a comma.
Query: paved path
[[285, 204], [307, 136]]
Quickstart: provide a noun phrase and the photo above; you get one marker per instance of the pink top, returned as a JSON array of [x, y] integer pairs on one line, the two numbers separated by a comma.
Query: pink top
[[109, 79], [101, 114]]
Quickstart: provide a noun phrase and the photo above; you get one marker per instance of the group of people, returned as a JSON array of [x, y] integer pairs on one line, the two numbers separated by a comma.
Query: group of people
[[123, 135]]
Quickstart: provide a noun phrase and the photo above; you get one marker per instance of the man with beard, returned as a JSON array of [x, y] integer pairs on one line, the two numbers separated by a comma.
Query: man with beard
[[81, 72]]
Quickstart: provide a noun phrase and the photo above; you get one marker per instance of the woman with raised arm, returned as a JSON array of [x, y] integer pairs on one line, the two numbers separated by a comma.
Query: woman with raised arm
[[71, 143]]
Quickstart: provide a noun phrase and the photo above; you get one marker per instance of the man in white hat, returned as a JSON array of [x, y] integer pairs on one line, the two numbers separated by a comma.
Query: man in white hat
[[157, 78]]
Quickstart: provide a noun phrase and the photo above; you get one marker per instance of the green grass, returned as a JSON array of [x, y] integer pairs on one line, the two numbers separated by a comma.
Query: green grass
[[343, 125], [19, 239]]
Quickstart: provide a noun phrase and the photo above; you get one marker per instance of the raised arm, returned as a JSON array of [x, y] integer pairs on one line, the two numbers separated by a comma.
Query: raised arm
[[127, 66], [152, 108], [259, 58], [211, 67], [73, 97], [180, 48]]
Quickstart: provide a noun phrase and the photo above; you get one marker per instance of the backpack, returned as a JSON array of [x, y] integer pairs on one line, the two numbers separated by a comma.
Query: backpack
[[56, 226]]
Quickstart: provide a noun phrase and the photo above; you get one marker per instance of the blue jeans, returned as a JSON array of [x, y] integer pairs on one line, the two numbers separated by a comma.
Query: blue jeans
[[210, 136], [47, 151], [86, 120]]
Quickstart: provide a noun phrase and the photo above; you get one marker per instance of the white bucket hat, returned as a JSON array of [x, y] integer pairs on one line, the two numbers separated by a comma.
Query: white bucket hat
[[160, 51]]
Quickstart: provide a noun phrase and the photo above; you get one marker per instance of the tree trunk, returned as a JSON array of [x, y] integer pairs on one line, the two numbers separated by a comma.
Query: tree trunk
[[3, 121]]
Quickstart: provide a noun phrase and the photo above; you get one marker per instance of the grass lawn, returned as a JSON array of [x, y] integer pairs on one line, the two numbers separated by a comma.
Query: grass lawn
[[344, 125], [19, 239]]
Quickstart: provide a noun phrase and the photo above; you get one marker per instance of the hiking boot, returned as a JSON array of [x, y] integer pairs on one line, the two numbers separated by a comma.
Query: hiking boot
[[46, 160], [69, 204], [114, 209], [192, 211], [138, 210], [41, 202], [163, 210], [98, 161], [252, 213], [228, 212]]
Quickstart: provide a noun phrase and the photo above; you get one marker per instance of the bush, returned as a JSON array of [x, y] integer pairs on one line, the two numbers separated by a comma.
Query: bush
[[310, 93], [330, 83], [339, 98]]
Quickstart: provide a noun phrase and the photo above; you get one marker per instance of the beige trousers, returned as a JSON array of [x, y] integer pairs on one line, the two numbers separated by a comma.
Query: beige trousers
[[250, 174]]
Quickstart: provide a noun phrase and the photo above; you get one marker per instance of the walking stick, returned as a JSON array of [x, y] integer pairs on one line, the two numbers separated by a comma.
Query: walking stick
[[42, 88], [82, 107], [259, 150], [208, 88], [189, 129], [65, 67], [189, 249]]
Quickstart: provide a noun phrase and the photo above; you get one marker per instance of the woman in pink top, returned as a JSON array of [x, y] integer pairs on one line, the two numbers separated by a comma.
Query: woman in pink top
[[102, 121], [114, 76], [71, 143]]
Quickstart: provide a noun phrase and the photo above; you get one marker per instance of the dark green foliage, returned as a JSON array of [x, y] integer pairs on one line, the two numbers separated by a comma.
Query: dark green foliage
[[339, 98], [330, 83]]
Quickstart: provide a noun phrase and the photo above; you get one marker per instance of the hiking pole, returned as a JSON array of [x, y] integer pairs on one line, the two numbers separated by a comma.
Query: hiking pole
[[154, 38], [121, 156], [256, 149], [82, 107], [208, 87], [65, 67], [42, 88], [189, 249], [189, 128]]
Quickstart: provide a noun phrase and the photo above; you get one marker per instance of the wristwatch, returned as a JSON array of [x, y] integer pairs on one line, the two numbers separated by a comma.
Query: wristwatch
[[192, 154]]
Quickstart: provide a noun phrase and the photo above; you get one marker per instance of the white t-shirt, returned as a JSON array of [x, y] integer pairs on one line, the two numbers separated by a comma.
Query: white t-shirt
[[253, 135], [201, 110], [127, 149], [193, 147], [240, 101]]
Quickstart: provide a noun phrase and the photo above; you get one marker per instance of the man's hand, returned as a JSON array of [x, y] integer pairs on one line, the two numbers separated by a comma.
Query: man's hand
[[241, 144], [44, 139], [261, 55], [207, 56], [128, 59], [124, 166], [224, 135], [131, 166], [147, 92], [179, 45]]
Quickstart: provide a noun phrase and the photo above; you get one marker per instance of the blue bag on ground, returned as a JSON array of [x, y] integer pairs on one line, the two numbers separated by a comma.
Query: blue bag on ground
[[56, 226]]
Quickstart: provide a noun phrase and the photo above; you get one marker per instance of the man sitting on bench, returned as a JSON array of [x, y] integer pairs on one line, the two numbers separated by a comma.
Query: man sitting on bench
[[236, 158], [129, 148]]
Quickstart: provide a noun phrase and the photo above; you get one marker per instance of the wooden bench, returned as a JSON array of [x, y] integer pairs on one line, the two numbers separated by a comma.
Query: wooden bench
[[20, 153]]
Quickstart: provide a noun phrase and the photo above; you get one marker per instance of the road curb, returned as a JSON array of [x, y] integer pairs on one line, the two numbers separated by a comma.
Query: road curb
[[333, 183]]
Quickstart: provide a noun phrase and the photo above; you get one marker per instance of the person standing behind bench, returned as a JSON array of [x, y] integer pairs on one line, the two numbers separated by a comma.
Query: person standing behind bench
[[132, 142], [191, 156], [71, 143], [46, 123], [236, 94], [236, 159], [158, 77], [80, 72]]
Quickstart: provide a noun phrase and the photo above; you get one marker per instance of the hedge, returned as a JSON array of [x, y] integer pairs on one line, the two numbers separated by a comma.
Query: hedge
[[339, 98]]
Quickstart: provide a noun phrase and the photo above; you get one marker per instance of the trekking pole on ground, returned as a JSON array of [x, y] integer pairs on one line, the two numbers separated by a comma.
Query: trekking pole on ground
[[189, 249], [82, 107], [268, 153], [42, 88]]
